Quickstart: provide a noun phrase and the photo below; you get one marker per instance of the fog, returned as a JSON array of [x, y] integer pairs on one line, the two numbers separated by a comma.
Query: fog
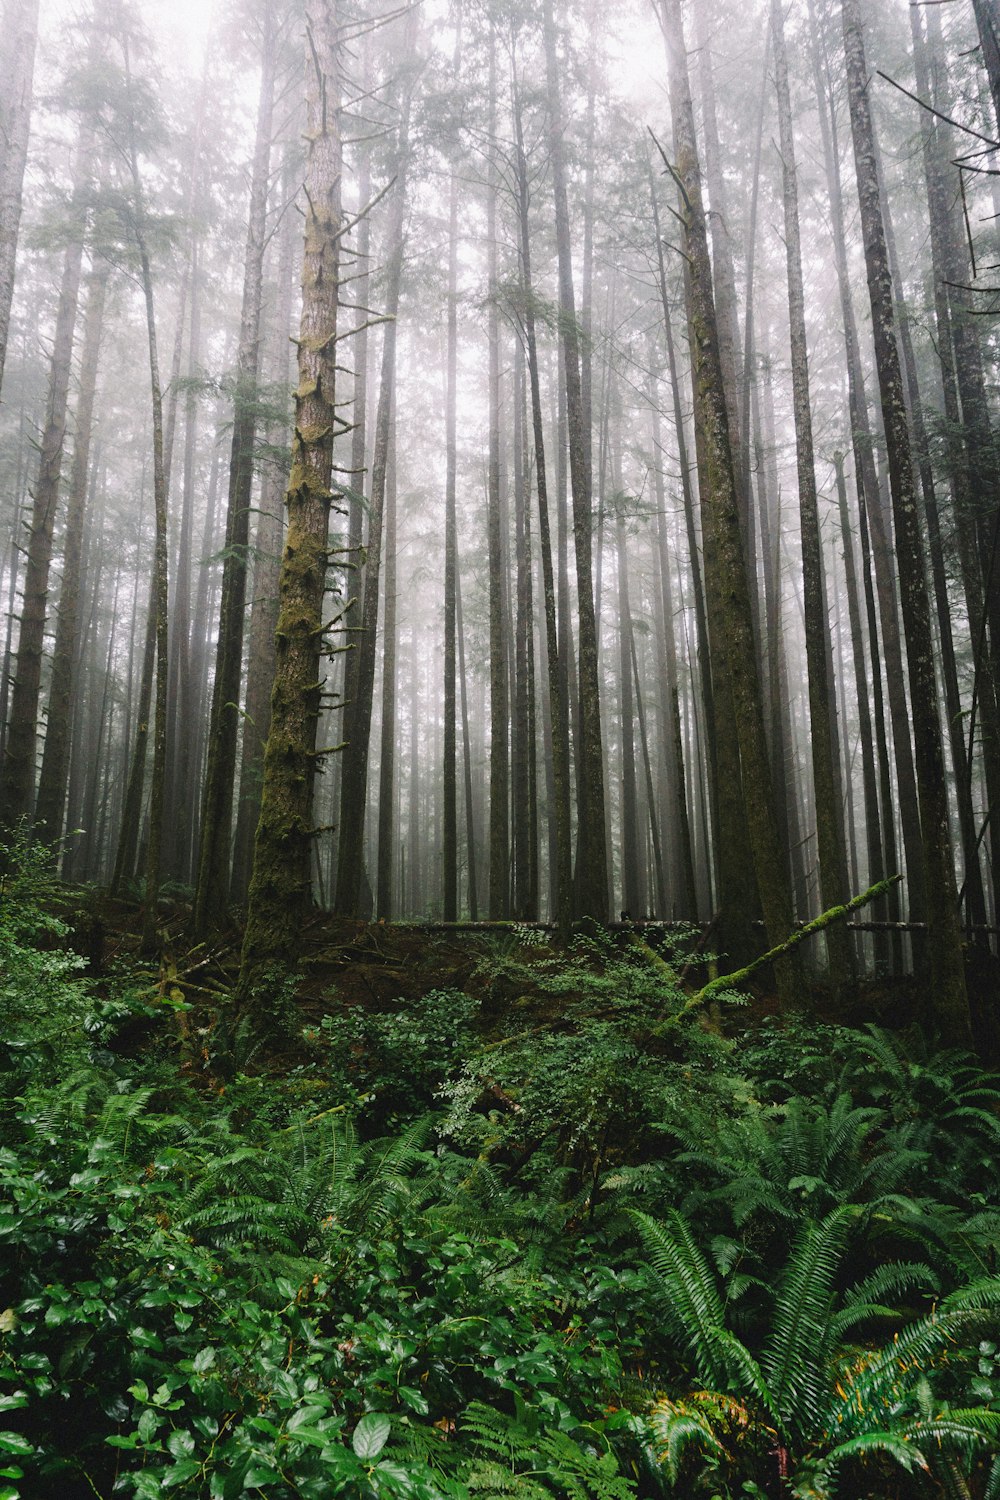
[[573, 356]]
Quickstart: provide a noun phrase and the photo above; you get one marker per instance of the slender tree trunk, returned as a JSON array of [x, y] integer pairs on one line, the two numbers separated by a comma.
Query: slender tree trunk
[[947, 988], [354, 785], [557, 678], [51, 802], [17, 792], [633, 895], [733, 643], [591, 874], [499, 900], [159, 591], [869, 780], [264, 601], [450, 769], [279, 885], [359, 437], [685, 906], [18, 38], [212, 886], [823, 728], [875, 549], [386, 810], [470, 799]]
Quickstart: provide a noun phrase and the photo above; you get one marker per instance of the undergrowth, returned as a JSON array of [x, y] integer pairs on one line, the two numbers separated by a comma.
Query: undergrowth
[[587, 1250]]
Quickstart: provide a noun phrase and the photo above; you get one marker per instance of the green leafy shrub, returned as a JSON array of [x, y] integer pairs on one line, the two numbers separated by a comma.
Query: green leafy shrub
[[398, 1058]]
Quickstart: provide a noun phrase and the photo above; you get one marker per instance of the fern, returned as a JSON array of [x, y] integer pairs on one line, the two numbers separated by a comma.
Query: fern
[[512, 1456]]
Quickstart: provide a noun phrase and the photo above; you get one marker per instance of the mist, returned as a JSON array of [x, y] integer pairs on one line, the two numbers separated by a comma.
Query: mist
[[564, 485]]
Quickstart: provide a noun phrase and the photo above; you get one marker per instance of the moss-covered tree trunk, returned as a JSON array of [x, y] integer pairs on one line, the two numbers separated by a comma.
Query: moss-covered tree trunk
[[947, 992], [279, 885], [266, 565], [733, 643]]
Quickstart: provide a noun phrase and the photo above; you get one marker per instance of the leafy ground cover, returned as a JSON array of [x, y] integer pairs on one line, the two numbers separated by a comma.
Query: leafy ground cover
[[516, 1227]]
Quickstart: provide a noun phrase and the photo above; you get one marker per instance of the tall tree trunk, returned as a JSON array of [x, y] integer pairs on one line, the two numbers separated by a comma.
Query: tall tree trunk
[[354, 785], [823, 728], [470, 801], [19, 34], [51, 803], [496, 546], [359, 434], [875, 548], [159, 591], [523, 725], [633, 894], [555, 640], [869, 780], [987, 13], [733, 643], [17, 792], [279, 885], [212, 888], [267, 561], [386, 799], [591, 874], [450, 768], [947, 989]]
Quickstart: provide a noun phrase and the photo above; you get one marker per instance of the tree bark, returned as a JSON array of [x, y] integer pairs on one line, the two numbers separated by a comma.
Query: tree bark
[[17, 792], [496, 546], [279, 885], [733, 643], [212, 887], [557, 678], [19, 32], [354, 785], [51, 802], [833, 882], [591, 873], [947, 988]]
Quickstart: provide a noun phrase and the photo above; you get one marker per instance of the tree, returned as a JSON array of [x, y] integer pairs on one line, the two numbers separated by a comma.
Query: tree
[[17, 784], [592, 859], [279, 884], [212, 888], [732, 639], [947, 993], [823, 729], [354, 785], [18, 39]]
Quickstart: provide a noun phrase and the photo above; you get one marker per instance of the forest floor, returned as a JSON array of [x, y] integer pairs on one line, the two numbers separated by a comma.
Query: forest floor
[[345, 963], [480, 1219]]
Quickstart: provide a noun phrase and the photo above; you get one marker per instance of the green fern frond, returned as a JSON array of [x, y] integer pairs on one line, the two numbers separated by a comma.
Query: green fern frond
[[866, 1444], [689, 1290], [794, 1360]]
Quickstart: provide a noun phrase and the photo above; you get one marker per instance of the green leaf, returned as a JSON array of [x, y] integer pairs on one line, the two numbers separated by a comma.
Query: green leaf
[[203, 1360], [180, 1443], [371, 1435], [414, 1399], [181, 1472], [13, 1442]]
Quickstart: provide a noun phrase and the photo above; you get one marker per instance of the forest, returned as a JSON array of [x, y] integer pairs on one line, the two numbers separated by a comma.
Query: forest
[[499, 733]]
